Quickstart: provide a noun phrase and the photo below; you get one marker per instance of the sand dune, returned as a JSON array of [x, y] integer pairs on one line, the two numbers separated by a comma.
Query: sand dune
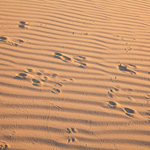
[[74, 75]]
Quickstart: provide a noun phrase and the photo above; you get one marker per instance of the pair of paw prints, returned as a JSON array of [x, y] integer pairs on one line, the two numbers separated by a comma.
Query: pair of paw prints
[[4, 146], [128, 111], [24, 24], [8, 41], [79, 60], [127, 68], [71, 131]]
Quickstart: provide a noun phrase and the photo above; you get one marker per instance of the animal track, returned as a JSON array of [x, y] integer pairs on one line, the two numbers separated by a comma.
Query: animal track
[[37, 82], [127, 68], [111, 92], [69, 131], [128, 111], [20, 41], [131, 112], [128, 48], [79, 60], [24, 76], [113, 104], [72, 130], [24, 25], [8, 41], [2, 38], [44, 78], [39, 78], [56, 91], [62, 57], [70, 140], [4, 145]]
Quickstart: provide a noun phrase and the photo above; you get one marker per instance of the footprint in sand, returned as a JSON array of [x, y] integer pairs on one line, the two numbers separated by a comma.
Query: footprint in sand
[[130, 98], [37, 82], [24, 76], [131, 112], [127, 68], [24, 24], [29, 70], [2, 38], [128, 111], [70, 140], [8, 41], [39, 78], [72, 130], [113, 104], [4, 146], [20, 41], [128, 48], [147, 97], [112, 92], [55, 91], [64, 58], [79, 60]]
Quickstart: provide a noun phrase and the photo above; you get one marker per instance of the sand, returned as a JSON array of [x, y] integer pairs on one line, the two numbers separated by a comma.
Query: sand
[[74, 75]]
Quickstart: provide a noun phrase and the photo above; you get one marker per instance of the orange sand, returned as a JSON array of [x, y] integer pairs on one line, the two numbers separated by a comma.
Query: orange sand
[[75, 75]]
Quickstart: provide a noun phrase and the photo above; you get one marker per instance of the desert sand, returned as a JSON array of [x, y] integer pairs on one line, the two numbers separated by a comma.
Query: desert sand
[[74, 75]]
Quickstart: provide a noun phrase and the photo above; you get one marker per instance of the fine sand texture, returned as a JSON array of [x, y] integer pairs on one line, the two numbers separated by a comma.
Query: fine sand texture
[[74, 75]]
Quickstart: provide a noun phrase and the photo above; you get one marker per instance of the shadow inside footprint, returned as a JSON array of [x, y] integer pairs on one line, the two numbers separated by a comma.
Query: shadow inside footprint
[[57, 55], [21, 76], [59, 84], [36, 82], [23, 26], [24, 22], [29, 70], [2, 38], [66, 58], [39, 73], [20, 41]]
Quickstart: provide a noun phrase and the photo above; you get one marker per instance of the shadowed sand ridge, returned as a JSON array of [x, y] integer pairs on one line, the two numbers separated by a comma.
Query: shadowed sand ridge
[[74, 75]]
